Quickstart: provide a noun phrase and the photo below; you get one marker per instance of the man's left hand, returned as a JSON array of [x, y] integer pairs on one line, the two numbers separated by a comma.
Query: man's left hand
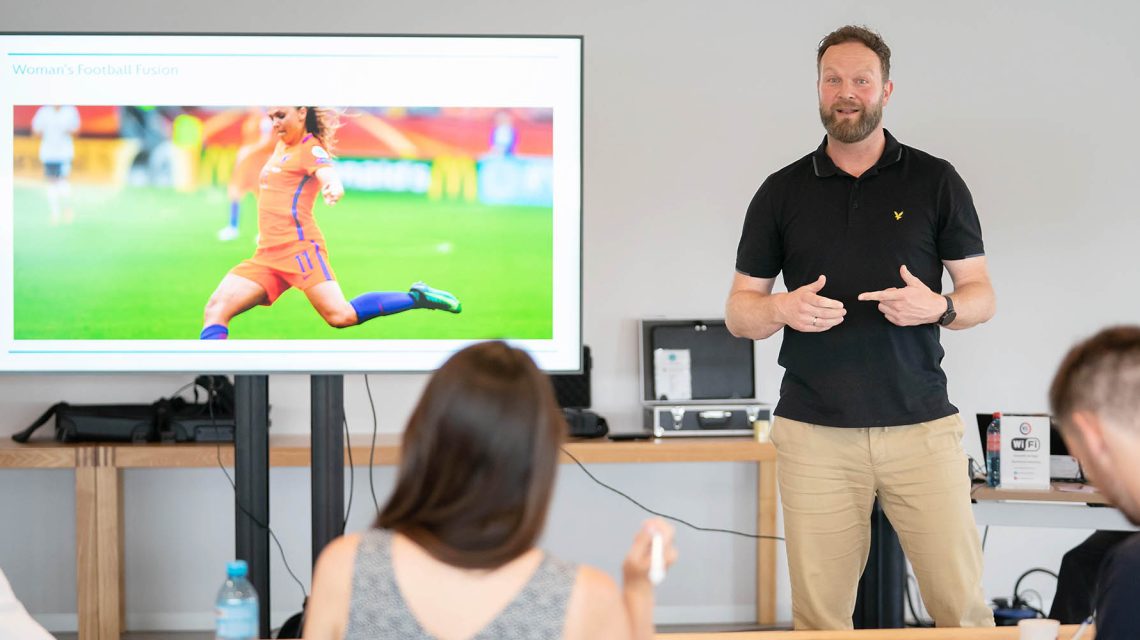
[[911, 305]]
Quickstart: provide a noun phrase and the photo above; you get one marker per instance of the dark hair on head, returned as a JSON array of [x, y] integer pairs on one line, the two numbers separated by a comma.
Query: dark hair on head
[[867, 37], [1100, 375], [479, 458]]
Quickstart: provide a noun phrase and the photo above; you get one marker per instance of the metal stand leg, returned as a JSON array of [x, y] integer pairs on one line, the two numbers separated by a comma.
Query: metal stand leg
[[251, 477], [327, 439]]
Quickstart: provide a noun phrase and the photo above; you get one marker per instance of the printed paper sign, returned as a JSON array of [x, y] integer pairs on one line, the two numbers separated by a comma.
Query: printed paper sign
[[1024, 451], [672, 374]]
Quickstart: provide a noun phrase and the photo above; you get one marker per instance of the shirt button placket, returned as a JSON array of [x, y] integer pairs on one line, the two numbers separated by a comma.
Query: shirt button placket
[[853, 203]]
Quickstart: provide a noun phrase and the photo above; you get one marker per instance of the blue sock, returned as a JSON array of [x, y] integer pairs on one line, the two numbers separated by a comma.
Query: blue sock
[[215, 332], [235, 209], [380, 303]]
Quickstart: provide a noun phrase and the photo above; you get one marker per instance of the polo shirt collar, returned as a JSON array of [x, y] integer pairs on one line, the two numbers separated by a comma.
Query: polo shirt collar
[[824, 167]]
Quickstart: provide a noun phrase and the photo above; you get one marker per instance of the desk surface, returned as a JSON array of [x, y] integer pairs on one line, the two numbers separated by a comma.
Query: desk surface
[[1055, 493], [992, 633], [293, 451], [45, 454]]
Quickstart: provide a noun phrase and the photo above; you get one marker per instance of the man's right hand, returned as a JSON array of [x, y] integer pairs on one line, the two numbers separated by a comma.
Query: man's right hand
[[807, 311]]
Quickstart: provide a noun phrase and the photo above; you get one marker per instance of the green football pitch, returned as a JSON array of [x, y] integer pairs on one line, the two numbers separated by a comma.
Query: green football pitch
[[140, 263]]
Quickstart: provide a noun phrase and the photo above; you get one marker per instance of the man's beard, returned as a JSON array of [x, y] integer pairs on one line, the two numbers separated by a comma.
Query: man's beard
[[847, 130]]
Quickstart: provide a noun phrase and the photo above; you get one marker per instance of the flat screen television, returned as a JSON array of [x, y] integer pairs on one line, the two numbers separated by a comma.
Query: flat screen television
[[139, 170]]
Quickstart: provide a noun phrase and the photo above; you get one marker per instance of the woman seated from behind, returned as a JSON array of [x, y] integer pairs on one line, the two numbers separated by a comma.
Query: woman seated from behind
[[453, 552]]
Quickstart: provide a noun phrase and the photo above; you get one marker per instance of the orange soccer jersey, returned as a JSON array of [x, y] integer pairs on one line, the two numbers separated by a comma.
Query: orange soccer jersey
[[290, 251], [288, 188]]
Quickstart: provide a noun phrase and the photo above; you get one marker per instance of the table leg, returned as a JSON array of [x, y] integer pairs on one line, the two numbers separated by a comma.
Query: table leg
[[86, 544], [109, 519], [766, 548]]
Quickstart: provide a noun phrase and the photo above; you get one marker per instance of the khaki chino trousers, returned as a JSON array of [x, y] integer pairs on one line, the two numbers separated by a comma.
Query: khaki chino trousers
[[829, 478]]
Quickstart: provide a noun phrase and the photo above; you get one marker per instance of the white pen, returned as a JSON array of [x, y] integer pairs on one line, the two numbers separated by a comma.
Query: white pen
[[1081, 629], [656, 560]]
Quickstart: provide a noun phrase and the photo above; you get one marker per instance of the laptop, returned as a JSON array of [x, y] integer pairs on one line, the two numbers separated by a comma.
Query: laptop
[[1062, 466]]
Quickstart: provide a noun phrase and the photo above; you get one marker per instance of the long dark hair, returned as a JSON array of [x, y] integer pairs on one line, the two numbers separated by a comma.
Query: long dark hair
[[479, 458], [323, 122]]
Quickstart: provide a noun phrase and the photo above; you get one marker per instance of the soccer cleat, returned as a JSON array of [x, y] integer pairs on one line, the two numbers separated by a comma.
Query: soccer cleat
[[225, 234], [425, 297]]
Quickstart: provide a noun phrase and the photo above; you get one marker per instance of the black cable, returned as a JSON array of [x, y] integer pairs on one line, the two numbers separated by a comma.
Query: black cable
[[371, 485], [1040, 600], [1016, 585], [211, 393], [665, 515], [259, 523], [985, 534], [351, 477], [372, 451]]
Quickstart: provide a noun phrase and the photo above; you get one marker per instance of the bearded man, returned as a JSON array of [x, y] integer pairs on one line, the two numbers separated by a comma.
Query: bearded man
[[862, 229]]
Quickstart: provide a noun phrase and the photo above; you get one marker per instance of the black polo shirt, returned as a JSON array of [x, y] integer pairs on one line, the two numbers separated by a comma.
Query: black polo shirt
[[812, 218]]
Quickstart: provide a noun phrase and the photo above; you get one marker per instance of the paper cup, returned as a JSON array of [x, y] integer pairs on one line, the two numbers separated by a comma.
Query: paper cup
[[1038, 629]]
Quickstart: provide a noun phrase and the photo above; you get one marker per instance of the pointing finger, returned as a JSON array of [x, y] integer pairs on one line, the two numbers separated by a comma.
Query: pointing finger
[[885, 294]]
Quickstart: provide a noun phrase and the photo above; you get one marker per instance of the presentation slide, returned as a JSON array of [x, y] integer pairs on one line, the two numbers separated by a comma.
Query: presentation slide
[[164, 192]]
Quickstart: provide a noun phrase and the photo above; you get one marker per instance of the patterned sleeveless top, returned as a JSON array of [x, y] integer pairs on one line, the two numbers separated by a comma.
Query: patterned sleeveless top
[[378, 611]]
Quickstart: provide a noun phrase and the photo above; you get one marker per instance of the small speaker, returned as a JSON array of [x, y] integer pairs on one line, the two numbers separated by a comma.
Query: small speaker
[[573, 389]]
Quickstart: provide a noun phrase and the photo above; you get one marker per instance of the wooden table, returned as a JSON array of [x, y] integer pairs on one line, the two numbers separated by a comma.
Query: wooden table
[[991, 633], [1055, 493], [99, 508], [1053, 507]]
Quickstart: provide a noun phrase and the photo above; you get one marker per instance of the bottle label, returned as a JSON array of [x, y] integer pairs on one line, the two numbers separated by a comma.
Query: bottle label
[[237, 620]]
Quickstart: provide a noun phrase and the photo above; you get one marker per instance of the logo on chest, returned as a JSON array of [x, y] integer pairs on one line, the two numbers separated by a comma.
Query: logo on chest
[[899, 215]]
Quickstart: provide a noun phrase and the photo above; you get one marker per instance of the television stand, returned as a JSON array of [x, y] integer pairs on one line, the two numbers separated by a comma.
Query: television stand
[[251, 474]]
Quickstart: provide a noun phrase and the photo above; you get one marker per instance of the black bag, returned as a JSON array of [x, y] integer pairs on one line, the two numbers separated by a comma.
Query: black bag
[[166, 420], [585, 423]]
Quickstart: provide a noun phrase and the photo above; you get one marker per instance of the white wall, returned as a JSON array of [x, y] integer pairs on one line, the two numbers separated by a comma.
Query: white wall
[[688, 106]]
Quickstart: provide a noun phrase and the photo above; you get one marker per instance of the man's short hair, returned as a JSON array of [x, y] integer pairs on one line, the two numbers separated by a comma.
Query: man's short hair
[[867, 37], [1101, 375]]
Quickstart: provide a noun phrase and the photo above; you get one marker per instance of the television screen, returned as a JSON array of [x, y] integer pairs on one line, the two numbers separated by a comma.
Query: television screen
[[164, 206]]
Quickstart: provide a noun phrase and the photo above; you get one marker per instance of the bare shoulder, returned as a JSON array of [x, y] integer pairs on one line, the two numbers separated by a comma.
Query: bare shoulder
[[327, 610], [595, 609], [341, 550]]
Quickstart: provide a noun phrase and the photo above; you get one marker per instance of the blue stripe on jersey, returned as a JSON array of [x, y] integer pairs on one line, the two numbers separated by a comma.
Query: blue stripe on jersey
[[296, 197], [300, 265], [321, 260]]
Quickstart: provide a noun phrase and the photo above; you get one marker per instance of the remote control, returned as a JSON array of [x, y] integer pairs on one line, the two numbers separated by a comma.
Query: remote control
[[656, 560]]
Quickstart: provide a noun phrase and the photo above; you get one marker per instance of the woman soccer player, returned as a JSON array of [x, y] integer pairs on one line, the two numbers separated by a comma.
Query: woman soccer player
[[453, 553], [291, 249]]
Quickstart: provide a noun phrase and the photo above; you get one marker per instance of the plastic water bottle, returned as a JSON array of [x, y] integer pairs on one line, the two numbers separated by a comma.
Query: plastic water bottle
[[236, 610], [993, 451]]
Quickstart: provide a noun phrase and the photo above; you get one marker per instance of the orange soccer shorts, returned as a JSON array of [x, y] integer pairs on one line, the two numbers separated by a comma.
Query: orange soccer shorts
[[299, 264]]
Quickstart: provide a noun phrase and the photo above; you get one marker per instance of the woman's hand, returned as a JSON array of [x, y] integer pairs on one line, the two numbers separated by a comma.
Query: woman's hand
[[331, 187], [635, 569], [332, 191]]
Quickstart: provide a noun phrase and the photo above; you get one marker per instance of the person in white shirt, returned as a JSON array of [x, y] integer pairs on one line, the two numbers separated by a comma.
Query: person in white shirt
[[55, 125]]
